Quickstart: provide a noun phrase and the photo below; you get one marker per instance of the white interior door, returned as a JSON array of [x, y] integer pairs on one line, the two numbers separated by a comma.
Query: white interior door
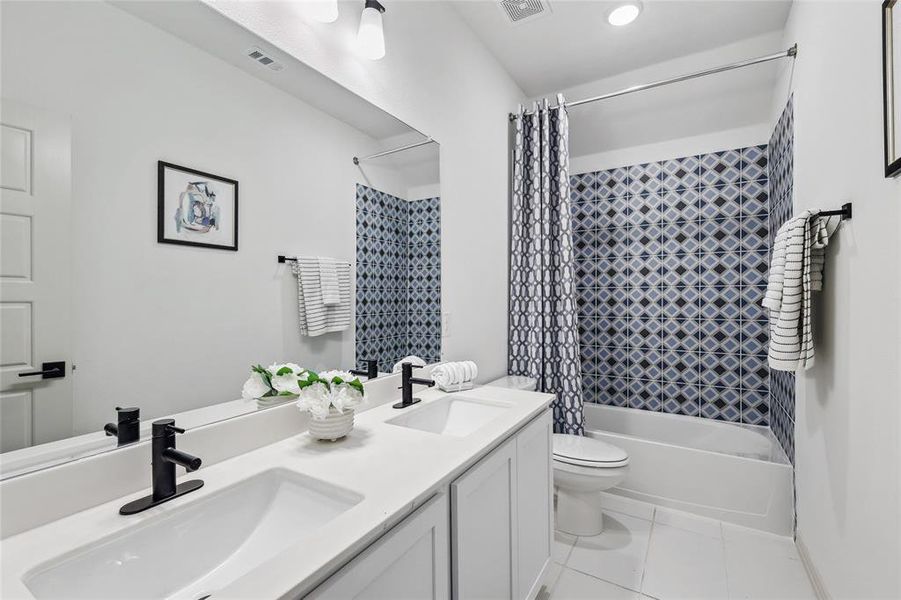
[[35, 250]]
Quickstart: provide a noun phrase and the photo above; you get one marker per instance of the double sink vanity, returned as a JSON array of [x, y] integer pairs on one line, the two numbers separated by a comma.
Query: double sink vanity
[[450, 497]]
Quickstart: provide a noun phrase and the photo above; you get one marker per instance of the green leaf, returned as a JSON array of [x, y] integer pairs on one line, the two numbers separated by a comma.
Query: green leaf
[[357, 385], [284, 371]]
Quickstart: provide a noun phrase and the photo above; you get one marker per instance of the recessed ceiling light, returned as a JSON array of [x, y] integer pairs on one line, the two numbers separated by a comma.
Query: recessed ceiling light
[[624, 14]]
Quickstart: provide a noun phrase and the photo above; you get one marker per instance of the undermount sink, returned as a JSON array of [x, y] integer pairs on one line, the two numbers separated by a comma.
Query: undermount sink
[[452, 415], [196, 549]]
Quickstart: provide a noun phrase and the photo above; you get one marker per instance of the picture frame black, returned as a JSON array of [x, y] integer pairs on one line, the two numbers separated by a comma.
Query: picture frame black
[[891, 95], [164, 205]]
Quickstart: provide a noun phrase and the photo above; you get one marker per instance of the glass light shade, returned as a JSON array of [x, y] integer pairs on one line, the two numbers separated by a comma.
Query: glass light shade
[[370, 36], [623, 15], [324, 11]]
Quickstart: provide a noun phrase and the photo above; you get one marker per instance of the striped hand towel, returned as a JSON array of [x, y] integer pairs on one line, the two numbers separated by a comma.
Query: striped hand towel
[[315, 317], [328, 281], [796, 269]]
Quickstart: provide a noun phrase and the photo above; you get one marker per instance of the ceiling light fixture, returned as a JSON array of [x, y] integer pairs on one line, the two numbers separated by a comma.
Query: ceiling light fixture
[[624, 14], [370, 35], [324, 11]]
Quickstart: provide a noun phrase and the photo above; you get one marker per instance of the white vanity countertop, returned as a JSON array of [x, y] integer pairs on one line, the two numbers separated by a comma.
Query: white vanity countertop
[[394, 468]]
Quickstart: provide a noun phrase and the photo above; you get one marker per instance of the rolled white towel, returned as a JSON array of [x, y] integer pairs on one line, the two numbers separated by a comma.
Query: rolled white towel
[[455, 373], [414, 360]]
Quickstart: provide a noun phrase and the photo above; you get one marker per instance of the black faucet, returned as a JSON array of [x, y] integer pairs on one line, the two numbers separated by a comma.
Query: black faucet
[[128, 428], [407, 383], [165, 457], [371, 372]]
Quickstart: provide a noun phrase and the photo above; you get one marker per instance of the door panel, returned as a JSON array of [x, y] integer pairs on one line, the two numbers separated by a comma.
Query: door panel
[[534, 504], [35, 273]]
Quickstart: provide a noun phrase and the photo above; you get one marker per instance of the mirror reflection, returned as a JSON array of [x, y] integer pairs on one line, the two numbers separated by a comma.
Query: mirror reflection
[[155, 168]]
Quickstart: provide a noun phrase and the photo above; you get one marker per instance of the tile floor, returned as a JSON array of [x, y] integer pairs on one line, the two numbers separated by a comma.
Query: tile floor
[[655, 552]]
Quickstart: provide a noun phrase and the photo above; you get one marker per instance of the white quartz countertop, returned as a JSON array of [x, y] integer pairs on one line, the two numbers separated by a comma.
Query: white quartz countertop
[[395, 469]]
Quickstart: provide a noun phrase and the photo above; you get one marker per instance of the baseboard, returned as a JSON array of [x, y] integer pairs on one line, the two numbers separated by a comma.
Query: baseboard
[[819, 588]]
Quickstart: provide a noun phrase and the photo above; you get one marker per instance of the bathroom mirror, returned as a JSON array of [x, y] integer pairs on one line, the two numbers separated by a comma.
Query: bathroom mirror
[[158, 158]]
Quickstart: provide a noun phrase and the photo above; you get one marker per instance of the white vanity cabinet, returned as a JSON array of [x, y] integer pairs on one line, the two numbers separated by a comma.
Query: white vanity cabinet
[[501, 518], [411, 562]]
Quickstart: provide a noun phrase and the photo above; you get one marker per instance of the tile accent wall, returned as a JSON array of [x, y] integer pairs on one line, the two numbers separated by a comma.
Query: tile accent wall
[[398, 284], [781, 176], [671, 264]]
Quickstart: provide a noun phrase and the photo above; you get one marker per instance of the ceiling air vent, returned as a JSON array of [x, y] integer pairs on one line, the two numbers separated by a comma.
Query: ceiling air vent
[[264, 59], [521, 11]]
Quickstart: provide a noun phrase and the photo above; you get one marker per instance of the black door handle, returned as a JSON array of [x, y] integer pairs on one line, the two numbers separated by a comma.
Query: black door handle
[[49, 370]]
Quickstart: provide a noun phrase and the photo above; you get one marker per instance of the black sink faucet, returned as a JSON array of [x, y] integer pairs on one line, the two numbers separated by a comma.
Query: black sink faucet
[[371, 372], [165, 457], [127, 429], [407, 383]]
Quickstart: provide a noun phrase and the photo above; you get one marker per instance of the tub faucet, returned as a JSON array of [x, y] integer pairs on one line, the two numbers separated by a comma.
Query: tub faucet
[[407, 383], [164, 458], [127, 429]]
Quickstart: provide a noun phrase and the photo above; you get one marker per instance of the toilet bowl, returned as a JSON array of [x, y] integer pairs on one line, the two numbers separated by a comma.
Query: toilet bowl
[[583, 468]]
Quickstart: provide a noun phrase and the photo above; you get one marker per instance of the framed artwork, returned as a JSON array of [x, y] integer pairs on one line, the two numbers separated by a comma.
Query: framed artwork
[[891, 83], [196, 208]]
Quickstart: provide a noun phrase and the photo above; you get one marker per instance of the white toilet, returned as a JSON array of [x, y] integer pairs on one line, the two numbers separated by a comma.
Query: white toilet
[[583, 467]]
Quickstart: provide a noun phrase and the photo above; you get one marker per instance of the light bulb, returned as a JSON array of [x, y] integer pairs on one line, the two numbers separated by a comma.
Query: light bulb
[[623, 15], [370, 35], [324, 11]]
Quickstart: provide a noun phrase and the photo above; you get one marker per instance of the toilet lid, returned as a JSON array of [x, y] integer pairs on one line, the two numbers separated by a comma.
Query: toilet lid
[[586, 451]]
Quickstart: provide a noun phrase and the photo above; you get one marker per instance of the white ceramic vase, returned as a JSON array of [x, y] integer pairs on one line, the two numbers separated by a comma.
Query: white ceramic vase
[[335, 426]]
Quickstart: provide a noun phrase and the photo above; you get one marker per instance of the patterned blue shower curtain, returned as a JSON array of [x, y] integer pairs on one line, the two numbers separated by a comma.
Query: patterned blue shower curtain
[[544, 337]]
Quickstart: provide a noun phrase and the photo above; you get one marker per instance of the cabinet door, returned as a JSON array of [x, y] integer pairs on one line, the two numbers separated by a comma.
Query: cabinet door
[[410, 562], [483, 527], [534, 504]]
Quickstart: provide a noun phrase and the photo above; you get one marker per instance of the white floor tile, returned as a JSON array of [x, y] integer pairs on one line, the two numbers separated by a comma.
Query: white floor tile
[[573, 585], [684, 520], [616, 555], [563, 545], [627, 506], [684, 564], [761, 565]]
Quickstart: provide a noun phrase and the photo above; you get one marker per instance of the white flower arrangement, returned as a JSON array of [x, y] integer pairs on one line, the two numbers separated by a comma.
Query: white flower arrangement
[[274, 380], [318, 393]]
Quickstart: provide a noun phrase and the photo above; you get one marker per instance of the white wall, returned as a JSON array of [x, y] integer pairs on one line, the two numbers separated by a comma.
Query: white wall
[[439, 78], [136, 95], [848, 419]]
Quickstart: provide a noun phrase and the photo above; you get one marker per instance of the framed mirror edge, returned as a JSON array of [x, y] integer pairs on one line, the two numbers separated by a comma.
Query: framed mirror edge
[[890, 95]]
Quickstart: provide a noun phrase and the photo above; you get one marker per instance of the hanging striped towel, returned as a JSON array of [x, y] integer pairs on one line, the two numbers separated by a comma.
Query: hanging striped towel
[[328, 281], [796, 269], [316, 318]]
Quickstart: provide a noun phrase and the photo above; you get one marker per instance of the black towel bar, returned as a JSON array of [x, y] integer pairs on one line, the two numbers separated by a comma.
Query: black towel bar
[[844, 212]]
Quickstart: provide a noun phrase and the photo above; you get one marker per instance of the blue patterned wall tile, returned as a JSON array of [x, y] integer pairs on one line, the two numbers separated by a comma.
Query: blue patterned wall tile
[[754, 233], [720, 336], [613, 212], [681, 398], [615, 391], [645, 333], [612, 301], [720, 302], [584, 216], [645, 363], [681, 335], [754, 337], [681, 367], [681, 237], [680, 205], [645, 178], [613, 362], [681, 173], [583, 187], [755, 373], [613, 183], [645, 209], [615, 331], [751, 309], [723, 404], [645, 395], [720, 168], [680, 270], [720, 202], [611, 242], [754, 407], [720, 235], [754, 198], [680, 302], [645, 303], [645, 240], [753, 163], [644, 271], [722, 269], [720, 370], [613, 271], [754, 269]]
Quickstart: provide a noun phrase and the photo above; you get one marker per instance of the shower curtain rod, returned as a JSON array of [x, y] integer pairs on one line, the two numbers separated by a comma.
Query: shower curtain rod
[[392, 151], [791, 52]]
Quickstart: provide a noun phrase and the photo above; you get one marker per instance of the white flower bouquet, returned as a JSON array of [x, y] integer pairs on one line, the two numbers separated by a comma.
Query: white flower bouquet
[[320, 393], [274, 380]]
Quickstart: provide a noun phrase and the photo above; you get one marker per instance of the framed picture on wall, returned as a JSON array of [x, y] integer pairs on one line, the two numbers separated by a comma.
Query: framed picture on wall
[[891, 78], [196, 208]]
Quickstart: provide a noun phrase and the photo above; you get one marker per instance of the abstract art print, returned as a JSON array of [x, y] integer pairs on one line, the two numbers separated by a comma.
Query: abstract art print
[[196, 208]]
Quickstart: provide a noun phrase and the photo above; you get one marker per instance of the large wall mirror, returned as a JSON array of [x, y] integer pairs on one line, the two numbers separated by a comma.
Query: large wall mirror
[[127, 126]]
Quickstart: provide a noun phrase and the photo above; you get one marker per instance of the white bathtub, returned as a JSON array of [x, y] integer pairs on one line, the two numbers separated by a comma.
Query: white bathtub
[[734, 473]]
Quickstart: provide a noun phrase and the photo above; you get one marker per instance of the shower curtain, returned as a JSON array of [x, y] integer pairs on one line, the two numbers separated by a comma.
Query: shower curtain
[[543, 336]]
